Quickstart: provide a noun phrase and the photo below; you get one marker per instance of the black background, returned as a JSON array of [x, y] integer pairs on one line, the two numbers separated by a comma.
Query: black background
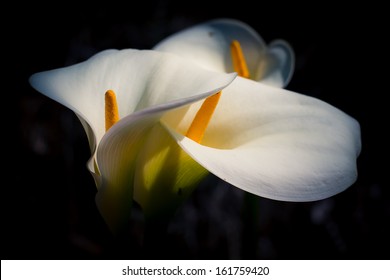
[[48, 208]]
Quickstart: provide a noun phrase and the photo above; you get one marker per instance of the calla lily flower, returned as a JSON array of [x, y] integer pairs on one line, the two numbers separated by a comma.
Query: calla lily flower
[[148, 84], [265, 140], [208, 44]]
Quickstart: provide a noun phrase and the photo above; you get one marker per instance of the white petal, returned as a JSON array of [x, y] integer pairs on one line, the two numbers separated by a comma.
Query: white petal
[[280, 61], [208, 44], [139, 78], [277, 144], [92, 144], [116, 158]]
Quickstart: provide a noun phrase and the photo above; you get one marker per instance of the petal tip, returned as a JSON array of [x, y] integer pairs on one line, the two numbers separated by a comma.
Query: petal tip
[[284, 53]]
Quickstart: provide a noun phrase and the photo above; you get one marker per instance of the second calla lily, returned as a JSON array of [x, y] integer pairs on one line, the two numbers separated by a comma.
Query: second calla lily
[[265, 140], [208, 44]]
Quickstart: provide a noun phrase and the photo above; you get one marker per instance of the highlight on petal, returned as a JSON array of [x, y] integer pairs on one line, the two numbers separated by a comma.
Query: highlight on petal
[[208, 44], [282, 145]]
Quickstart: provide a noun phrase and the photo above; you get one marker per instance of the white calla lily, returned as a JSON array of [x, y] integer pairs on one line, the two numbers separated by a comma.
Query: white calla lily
[[208, 44], [262, 139], [147, 84]]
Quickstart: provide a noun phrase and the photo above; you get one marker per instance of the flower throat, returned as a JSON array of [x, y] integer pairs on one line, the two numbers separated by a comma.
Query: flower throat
[[203, 116]]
